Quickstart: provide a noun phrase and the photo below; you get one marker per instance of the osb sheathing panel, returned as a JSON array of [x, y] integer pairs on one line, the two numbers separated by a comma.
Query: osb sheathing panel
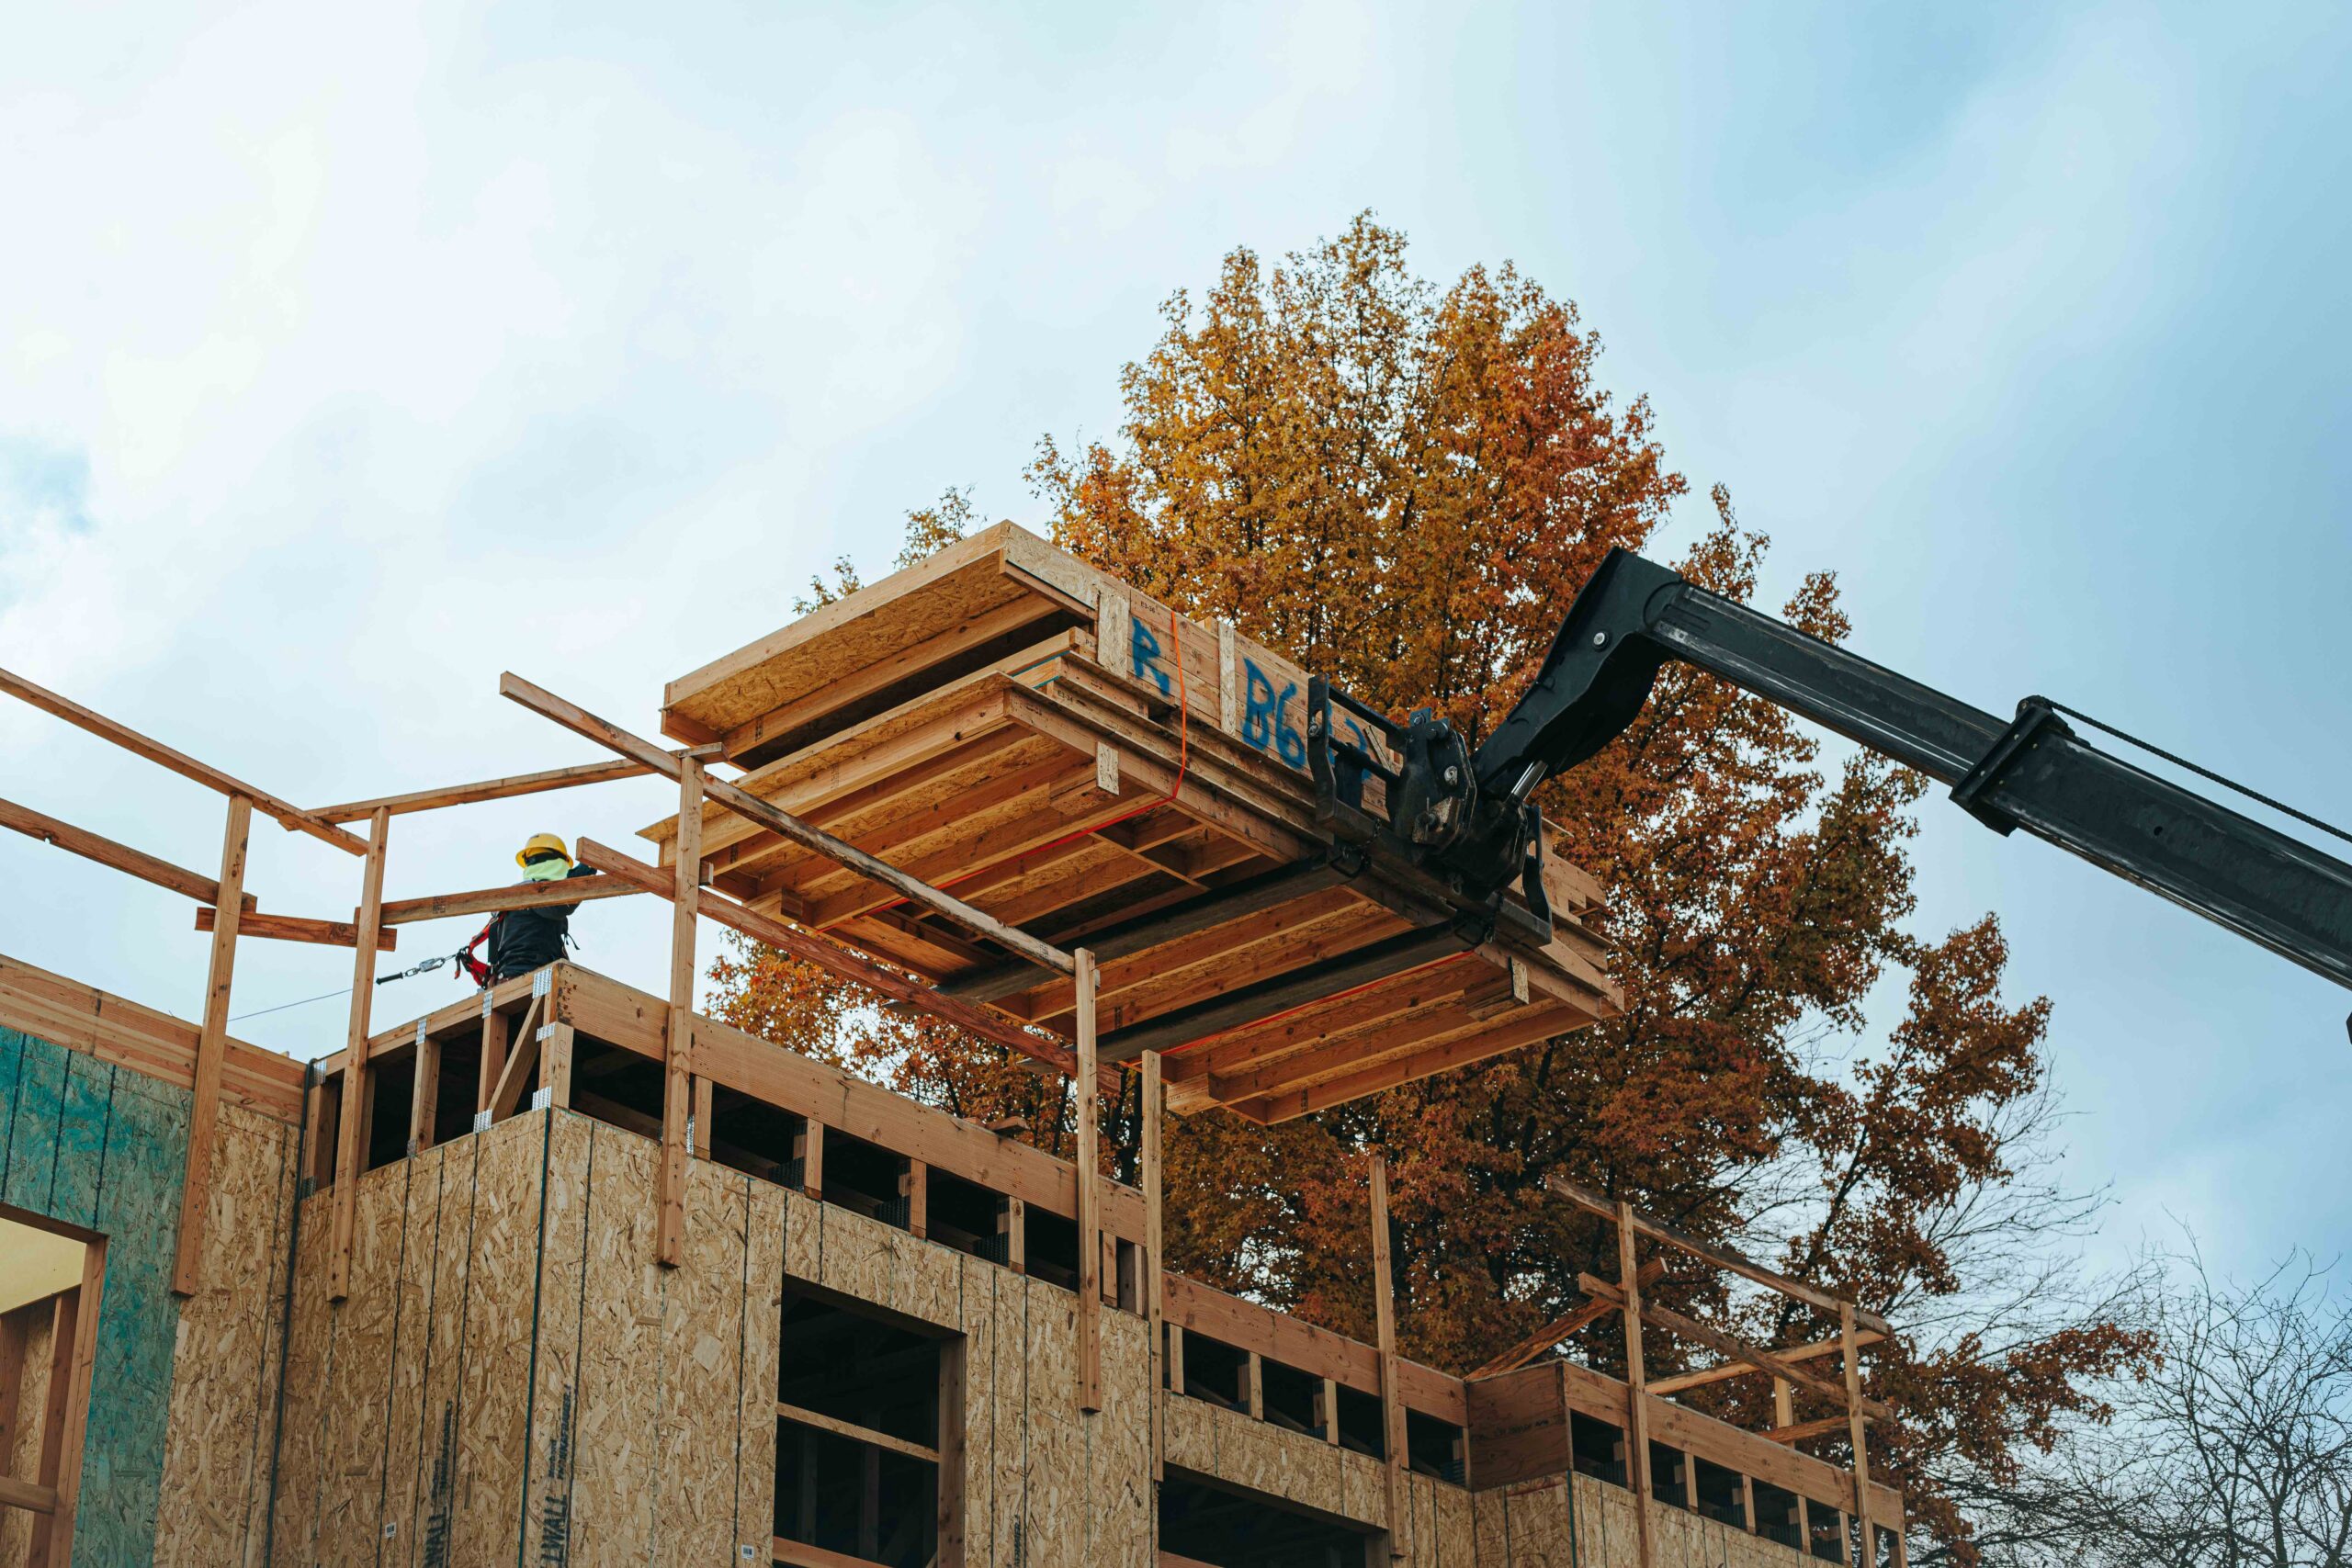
[[405, 1444], [421, 1494], [762, 1308], [302, 1410], [864, 1257], [555, 1369], [212, 1505], [701, 1374], [357, 1419], [619, 1361], [1529, 1526], [495, 1365]]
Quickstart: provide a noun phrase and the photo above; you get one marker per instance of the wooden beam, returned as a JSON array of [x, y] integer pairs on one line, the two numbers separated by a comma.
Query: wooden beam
[[751, 806], [354, 1129], [831, 955], [27, 1495], [522, 1065], [1720, 1256], [1723, 1344], [1154, 1279], [130, 741], [1090, 1196], [1812, 1352], [107, 852], [1793, 1432], [677, 1039], [212, 1052], [514, 896], [1855, 1421], [1560, 1327], [299, 928], [498, 789], [1392, 1399], [1638, 1413]]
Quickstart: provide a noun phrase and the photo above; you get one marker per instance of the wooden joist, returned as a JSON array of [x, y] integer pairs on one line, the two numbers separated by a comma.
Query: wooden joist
[[205, 890], [294, 818]]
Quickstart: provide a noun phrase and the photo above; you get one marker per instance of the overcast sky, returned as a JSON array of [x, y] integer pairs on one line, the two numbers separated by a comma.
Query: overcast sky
[[353, 356]]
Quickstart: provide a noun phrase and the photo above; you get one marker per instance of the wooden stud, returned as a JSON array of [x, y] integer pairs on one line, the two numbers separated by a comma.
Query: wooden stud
[[678, 1088], [1748, 1501], [64, 1323], [1855, 1420], [66, 1475], [1089, 1197], [953, 1376], [555, 1063], [1384, 1304], [1175, 1357], [1155, 1284], [354, 1130], [1327, 1411], [706, 1102], [1784, 1410], [1253, 1385], [916, 1185], [211, 1050], [1637, 1416], [425, 1095], [1016, 1236], [811, 1152]]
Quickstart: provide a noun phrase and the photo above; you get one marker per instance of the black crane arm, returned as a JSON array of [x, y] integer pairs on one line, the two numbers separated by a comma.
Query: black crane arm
[[2033, 771]]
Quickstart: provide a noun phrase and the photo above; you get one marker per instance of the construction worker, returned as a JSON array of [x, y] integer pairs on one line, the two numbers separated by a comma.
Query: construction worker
[[522, 939]]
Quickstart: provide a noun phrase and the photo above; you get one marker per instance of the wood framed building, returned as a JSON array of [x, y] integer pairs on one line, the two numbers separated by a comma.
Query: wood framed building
[[568, 1273]]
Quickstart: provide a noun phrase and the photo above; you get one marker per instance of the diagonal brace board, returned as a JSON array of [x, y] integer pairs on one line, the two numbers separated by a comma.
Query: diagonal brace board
[[840, 960], [1720, 1256], [785, 824], [1561, 1327], [180, 762], [1763, 1360]]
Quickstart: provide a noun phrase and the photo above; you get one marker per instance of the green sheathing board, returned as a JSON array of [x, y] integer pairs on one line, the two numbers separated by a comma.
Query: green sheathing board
[[102, 1147]]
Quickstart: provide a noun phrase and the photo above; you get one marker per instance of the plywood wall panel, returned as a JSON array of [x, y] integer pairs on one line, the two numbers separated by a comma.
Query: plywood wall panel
[[762, 1309], [494, 1375], [358, 1417], [700, 1356], [614, 1426], [554, 1366], [423, 1540], [210, 1507], [309, 1358], [412, 1338]]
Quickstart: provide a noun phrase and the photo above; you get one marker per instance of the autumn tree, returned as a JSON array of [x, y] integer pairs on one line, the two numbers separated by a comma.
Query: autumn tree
[[1402, 486]]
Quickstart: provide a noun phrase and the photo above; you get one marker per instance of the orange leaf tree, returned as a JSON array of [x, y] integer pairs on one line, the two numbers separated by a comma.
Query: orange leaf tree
[[1402, 487]]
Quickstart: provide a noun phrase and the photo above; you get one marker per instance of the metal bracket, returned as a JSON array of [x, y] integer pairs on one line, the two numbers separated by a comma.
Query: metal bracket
[[2032, 715], [481, 1120], [542, 981], [541, 1098]]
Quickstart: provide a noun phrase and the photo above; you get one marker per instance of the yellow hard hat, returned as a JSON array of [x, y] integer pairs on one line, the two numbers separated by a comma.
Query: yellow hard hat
[[540, 841]]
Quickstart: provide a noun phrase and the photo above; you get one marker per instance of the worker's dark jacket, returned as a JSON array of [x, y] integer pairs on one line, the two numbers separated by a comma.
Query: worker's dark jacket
[[522, 939]]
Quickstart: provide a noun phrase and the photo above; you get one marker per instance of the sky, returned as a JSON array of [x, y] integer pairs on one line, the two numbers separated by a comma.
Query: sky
[[348, 358]]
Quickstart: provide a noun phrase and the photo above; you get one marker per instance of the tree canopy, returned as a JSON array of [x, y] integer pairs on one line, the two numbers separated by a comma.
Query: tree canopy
[[1402, 486]]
